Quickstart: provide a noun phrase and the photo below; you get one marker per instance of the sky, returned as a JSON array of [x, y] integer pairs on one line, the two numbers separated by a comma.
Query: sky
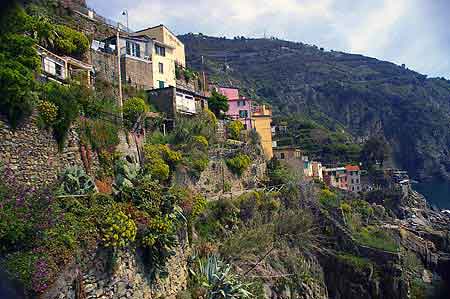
[[413, 32]]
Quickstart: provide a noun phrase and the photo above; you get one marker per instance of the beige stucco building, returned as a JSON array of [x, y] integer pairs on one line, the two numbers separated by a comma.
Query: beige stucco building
[[163, 35], [261, 119], [148, 57]]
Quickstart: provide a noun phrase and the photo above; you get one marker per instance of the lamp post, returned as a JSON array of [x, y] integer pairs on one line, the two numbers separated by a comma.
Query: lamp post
[[125, 13]]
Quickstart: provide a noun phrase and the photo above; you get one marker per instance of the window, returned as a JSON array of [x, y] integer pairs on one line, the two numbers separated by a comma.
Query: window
[[58, 70], [353, 188], [241, 103], [133, 49], [161, 51], [161, 84], [353, 181], [161, 68], [281, 155], [243, 113], [49, 66]]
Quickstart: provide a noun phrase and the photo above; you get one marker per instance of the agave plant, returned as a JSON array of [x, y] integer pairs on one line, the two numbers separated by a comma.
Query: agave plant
[[74, 181], [218, 279], [127, 176]]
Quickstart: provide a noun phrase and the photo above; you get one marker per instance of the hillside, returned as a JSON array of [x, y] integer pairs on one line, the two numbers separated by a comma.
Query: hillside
[[364, 95]]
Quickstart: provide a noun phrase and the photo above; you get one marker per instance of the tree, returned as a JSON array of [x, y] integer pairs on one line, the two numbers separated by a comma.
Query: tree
[[218, 103], [375, 150]]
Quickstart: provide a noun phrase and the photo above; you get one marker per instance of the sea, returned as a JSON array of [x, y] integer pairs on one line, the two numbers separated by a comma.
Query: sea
[[437, 193]]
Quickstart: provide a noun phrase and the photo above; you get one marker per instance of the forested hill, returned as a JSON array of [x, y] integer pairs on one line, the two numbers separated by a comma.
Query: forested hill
[[364, 95]]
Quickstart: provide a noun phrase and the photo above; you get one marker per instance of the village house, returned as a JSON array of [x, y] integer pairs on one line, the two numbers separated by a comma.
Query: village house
[[148, 57], [261, 120], [63, 68], [253, 116], [317, 170], [307, 167], [353, 178], [345, 178], [165, 38], [175, 101], [287, 153], [239, 107], [335, 177], [145, 62]]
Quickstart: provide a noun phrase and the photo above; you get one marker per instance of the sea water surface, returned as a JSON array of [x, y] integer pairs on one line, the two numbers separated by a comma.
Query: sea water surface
[[437, 193]]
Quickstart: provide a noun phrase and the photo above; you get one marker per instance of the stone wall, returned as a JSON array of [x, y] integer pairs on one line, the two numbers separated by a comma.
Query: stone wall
[[126, 278], [105, 66], [33, 155], [137, 73]]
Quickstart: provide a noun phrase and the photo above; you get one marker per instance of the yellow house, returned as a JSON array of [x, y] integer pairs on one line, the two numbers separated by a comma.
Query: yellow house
[[261, 118], [162, 34], [167, 51]]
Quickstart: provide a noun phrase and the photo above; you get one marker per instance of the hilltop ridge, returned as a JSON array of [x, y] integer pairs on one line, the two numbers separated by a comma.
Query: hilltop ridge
[[364, 95]]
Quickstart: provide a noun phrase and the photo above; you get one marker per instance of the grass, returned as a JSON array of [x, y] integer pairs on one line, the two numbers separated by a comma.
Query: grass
[[376, 238], [359, 263]]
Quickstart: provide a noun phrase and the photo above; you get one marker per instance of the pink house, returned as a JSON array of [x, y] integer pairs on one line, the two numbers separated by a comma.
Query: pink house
[[240, 107]]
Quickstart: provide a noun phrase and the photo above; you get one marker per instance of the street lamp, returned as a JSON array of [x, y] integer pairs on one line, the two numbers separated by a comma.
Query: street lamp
[[125, 13]]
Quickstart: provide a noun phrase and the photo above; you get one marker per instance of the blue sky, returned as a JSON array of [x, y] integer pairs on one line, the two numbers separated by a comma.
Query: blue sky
[[413, 32]]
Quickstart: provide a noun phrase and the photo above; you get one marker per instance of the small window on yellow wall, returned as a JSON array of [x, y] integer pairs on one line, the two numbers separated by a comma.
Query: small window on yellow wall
[[161, 68]]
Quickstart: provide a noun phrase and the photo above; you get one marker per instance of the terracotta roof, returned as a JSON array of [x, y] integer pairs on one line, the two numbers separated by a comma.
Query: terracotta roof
[[352, 168]]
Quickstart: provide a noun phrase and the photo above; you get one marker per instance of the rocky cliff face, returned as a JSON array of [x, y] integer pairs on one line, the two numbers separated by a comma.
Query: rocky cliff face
[[365, 95]]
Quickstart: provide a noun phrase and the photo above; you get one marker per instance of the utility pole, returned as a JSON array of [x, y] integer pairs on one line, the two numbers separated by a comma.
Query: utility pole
[[120, 104]]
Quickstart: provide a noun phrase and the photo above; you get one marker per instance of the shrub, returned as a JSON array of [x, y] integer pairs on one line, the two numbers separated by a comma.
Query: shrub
[[74, 181], [118, 229], [346, 208], [201, 142], [100, 134], [189, 75], [21, 265], [158, 138], [47, 112], [254, 136], [203, 124], [234, 129], [158, 169], [249, 204], [170, 156], [16, 86], [18, 62], [328, 199], [67, 100], [70, 42], [15, 225], [148, 196], [132, 109], [238, 164], [158, 160], [218, 103], [197, 161]]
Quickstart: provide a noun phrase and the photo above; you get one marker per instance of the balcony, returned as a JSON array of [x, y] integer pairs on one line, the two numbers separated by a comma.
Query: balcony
[[261, 110]]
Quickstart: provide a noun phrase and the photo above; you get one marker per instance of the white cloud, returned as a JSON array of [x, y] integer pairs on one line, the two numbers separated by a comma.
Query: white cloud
[[374, 32]]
